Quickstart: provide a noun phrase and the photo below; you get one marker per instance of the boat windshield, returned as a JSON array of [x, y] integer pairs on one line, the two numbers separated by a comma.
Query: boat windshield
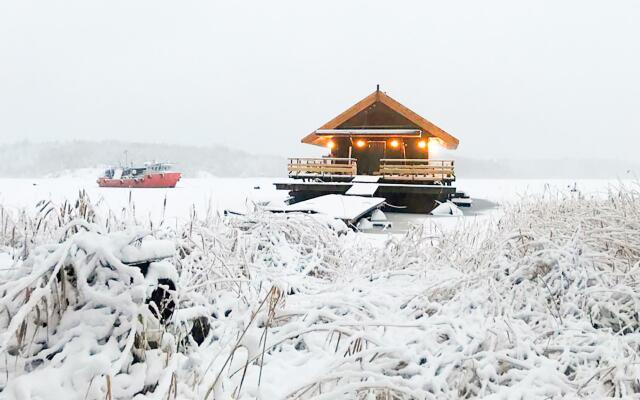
[[160, 167]]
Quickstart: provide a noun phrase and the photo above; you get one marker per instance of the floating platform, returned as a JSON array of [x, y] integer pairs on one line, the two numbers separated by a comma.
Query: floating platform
[[416, 198]]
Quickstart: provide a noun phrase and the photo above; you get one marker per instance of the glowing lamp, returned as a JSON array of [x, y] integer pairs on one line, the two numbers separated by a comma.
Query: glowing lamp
[[361, 143], [331, 145], [422, 144], [394, 143]]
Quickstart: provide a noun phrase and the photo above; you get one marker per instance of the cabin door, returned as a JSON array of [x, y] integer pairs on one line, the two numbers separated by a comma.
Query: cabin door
[[369, 158]]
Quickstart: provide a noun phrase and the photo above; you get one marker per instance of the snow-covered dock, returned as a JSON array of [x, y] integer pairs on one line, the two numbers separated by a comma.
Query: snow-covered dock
[[347, 208]]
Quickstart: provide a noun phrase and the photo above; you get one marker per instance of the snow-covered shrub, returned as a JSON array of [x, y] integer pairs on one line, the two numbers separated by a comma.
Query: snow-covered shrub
[[75, 299], [546, 302]]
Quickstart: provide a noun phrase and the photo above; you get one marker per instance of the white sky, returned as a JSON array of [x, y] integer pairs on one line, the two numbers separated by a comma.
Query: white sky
[[508, 78]]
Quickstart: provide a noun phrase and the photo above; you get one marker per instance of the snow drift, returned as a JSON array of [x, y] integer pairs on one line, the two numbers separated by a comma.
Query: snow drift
[[540, 303]]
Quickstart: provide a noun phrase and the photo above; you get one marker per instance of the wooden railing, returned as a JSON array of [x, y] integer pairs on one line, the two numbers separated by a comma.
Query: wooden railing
[[394, 169], [417, 169], [322, 166]]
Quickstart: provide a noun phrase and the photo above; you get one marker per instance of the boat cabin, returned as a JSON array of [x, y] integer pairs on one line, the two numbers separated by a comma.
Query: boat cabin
[[377, 136], [158, 167]]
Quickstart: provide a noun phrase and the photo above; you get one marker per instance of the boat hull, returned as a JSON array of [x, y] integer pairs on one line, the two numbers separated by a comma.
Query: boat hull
[[159, 180]]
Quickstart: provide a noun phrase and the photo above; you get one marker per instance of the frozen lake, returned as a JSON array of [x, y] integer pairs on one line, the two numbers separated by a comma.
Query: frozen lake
[[217, 194]]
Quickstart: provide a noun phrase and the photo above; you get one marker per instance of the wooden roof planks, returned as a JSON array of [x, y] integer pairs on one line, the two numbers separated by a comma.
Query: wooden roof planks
[[380, 111]]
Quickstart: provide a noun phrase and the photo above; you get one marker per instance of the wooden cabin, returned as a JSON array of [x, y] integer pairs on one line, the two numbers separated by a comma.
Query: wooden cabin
[[377, 136], [377, 147]]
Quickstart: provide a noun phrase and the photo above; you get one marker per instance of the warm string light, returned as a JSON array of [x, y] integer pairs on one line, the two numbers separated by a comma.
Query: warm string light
[[331, 144], [422, 144]]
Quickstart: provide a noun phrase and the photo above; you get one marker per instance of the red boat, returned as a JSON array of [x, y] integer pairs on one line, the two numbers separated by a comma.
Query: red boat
[[151, 175]]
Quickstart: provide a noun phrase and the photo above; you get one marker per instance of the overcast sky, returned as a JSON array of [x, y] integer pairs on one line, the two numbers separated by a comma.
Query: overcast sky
[[508, 78]]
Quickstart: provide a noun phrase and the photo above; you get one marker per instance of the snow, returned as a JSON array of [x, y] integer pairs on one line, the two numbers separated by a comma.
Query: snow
[[362, 189], [5, 261], [366, 178], [346, 208], [507, 190], [535, 298], [147, 249], [447, 208], [378, 215]]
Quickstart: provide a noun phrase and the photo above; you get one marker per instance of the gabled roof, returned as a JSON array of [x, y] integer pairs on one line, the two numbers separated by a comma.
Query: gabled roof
[[406, 117]]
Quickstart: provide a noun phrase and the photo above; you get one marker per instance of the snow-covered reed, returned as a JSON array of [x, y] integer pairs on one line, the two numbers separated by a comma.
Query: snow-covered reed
[[541, 302]]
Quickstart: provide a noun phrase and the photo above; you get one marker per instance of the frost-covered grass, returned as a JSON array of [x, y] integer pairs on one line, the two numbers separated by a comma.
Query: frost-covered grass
[[540, 303]]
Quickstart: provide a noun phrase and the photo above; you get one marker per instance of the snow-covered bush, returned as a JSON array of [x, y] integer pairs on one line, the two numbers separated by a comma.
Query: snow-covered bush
[[541, 302]]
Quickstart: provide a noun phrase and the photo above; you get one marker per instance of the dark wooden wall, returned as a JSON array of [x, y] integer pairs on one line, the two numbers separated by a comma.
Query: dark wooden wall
[[378, 116], [408, 148]]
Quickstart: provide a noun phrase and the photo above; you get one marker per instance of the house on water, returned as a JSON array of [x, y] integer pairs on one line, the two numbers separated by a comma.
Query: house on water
[[377, 147]]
